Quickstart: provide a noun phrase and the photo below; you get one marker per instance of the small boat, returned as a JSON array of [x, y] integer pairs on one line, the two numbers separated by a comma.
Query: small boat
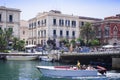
[[46, 58], [21, 57], [66, 71]]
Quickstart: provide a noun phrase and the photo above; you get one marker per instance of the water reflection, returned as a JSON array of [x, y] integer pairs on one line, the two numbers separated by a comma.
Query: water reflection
[[26, 70]]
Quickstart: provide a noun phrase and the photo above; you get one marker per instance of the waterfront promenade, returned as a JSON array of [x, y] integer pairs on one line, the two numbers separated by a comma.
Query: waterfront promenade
[[107, 57]]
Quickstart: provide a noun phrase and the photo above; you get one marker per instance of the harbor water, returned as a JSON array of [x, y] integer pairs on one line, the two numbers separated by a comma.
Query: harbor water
[[26, 70]]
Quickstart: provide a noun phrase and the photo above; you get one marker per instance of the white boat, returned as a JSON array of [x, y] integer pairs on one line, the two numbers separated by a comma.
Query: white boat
[[21, 57], [66, 71], [46, 58]]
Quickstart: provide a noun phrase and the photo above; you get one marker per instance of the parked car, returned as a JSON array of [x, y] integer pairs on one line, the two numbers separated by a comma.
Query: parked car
[[39, 49], [65, 49]]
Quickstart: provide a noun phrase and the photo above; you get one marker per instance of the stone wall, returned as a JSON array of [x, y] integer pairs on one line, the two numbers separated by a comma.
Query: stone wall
[[116, 63]]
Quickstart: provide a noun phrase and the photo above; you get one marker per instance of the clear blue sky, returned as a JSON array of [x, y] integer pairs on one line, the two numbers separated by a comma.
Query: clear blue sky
[[89, 8]]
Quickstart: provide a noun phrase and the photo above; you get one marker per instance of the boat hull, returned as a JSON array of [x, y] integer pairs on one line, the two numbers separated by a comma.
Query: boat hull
[[50, 71], [46, 58], [21, 57]]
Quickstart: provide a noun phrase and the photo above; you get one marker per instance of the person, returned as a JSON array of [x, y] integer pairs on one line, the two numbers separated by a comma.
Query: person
[[78, 64]]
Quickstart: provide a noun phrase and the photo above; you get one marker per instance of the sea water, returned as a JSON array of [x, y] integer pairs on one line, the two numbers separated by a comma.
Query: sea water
[[26, 70]]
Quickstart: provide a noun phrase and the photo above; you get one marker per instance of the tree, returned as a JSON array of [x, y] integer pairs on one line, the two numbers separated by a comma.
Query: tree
[[87, 32], [73, 42], [15, 40], [20, 45], [94, 42], [65, 42], [8, 34], [80, 42], [3, 42]]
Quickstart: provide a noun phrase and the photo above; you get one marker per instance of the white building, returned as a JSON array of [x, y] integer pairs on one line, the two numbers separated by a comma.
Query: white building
[[10, 19], [56, 26], [24, 31]]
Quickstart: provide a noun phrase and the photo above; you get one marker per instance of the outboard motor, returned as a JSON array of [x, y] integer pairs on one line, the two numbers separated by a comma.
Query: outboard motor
[[101, 70]]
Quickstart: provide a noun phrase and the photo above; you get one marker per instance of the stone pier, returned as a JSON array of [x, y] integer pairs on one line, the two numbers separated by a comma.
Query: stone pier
[[116, 63]]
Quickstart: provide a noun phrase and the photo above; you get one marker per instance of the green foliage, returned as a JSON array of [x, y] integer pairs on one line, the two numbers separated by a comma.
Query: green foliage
[[20, 45], [87, 32], [5, 51], [6, 37], [65, 42], [73, 42], [3, 42], [94, 42], [81, 42]]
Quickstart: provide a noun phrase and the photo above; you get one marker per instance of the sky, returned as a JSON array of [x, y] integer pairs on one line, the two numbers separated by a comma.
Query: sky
[[88, 8]]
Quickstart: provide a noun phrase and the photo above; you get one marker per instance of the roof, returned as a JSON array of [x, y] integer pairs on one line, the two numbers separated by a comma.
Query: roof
[[9, 9]]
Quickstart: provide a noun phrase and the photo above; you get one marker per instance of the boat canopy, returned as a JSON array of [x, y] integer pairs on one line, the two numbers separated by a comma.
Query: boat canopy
[[30, 46], [108, 46]]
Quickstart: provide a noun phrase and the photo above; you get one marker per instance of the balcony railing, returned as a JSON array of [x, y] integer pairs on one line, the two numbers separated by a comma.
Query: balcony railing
[[73, 37], [67, 37], [54, 36]]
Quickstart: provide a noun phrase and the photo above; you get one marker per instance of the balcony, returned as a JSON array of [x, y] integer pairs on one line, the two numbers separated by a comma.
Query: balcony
[[98, 36], [61, 36], [106, 36], [67, 37], [73, 37], [54, 36]]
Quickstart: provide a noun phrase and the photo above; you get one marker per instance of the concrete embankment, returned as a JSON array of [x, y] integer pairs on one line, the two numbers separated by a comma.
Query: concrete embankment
[[116, 63]]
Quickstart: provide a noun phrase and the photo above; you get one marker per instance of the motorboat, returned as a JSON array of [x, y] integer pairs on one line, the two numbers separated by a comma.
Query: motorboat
[[67, 71], [46, 58], [21, 57]]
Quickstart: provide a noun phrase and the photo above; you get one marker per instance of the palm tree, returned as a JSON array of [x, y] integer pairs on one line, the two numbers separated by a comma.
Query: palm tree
[[3, 42], [15, 40], [20, 45], [8, 34], [87, 32]]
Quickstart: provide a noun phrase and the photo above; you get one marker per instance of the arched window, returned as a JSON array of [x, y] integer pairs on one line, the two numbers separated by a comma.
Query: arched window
[[115, 32]]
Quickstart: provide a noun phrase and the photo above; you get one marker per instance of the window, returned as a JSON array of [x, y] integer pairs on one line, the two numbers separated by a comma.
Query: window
[[41, 33], [73, 33], [32, 25], [61, 32], [115, 32], [0, 17], [73, 23], [106, 31], [10, 18], [54, 22], [29, 25], [67, 23], [23, 32], [42, 22], [67, 33], [45, 21], [38, 33], [44, 33], [61, 22], [54, 32], [35, 24], [38, 23], [82, 23], [99, 31]]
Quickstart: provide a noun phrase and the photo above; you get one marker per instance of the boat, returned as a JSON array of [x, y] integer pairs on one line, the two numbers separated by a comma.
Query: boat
[[21, 57], [46, 58], [67, 71]]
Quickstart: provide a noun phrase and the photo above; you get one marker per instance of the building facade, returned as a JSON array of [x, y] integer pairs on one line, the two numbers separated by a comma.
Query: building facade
[[56, 26], [10, 19], [24, 31], [108, 30]]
